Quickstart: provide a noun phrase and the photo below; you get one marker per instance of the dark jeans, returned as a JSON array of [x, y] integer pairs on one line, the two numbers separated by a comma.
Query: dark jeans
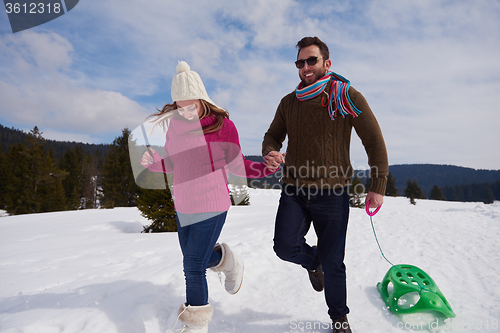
[[328, 210], [197, 242]]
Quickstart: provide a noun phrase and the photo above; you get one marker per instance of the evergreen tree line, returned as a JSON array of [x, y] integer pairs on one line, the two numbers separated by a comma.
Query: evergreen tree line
[[485, 192], [429, 175], [33, 180], [11, 136]]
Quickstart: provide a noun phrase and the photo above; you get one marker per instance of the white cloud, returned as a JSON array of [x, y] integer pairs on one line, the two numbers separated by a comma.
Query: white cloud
[[39, 91]]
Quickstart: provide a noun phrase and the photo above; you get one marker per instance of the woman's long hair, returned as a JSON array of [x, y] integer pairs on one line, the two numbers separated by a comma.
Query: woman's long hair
[[163, 116]]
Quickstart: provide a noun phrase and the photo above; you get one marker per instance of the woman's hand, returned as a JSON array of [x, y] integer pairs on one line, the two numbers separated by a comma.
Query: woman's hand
[[273, 160], [147, 158]]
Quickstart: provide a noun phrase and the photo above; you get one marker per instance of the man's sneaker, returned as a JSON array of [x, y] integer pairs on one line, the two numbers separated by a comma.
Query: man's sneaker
[[317, 278], [341, 325]]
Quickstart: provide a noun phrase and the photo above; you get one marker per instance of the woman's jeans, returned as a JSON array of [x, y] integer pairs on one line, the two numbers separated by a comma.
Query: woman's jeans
[[328, 210], [197, 242]]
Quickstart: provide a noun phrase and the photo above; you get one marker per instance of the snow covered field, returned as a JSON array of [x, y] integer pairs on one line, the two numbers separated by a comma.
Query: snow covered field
[[92, 271]]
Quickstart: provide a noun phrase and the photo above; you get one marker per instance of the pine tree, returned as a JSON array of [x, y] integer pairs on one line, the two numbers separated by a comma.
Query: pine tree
[[34, 182], [90, 182], [118, 184], [469, 194], [17, 198], [391, 189], [489, 197], [413, 191], [52, 194], [72, 162], [460, 193], [436, 193], [3, 178], [368, 184], [157, 206], [495, 188]]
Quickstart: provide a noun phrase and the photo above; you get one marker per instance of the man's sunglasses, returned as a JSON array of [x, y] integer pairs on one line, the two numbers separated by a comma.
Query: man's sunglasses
[[311, 61]]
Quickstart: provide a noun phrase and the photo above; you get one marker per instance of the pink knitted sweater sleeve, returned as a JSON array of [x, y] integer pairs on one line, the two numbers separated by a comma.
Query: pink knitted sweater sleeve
[[161, 164]]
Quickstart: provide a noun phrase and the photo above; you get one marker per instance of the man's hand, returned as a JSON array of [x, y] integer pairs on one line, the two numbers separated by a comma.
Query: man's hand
[[273, 160], [375, 199]]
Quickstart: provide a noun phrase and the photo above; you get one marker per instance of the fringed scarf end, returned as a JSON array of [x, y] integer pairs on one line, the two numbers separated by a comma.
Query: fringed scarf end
[[340, 102]]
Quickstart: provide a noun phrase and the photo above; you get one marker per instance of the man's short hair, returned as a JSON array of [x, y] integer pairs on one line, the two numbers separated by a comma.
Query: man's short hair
[[308, 41]]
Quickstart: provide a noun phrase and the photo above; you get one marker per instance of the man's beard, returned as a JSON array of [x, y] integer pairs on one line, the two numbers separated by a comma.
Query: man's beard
[[319, 74]]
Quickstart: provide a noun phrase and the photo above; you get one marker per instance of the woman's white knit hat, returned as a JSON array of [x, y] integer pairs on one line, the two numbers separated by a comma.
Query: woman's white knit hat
[[187, 85]]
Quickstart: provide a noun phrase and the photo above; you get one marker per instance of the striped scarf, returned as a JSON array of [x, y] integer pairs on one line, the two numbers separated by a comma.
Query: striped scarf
[[339, 100]]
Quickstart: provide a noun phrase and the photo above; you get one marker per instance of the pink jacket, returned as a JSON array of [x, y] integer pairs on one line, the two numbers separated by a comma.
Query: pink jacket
[[200, 164]]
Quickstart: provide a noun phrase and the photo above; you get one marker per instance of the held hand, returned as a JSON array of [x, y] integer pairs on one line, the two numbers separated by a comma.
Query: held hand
[[273, 160], [375, 199], [147, 157]]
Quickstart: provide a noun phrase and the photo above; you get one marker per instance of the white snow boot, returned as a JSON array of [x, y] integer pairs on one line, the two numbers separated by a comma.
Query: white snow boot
[[195, 319], [232, 267]]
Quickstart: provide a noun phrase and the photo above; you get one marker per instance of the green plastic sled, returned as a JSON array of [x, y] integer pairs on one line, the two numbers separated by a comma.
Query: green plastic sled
[[410, 279]]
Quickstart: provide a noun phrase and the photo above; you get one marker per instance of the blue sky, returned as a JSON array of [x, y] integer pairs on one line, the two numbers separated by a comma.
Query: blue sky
[[429, 69]]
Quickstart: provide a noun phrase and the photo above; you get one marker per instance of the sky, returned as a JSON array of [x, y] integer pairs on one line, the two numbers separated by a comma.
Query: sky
[[428, 69]]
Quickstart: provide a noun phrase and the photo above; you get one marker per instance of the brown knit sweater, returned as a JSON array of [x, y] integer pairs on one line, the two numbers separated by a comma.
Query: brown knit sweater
[[318, 153]]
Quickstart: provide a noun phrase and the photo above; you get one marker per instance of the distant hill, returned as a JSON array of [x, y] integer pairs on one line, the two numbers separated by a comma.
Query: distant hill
[[428, 175], [10, 136]]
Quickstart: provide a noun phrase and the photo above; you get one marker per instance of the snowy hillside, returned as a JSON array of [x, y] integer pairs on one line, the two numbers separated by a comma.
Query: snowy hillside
[[92, 271]]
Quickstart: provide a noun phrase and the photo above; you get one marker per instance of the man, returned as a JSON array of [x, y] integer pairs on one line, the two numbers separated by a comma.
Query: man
[[318, 118]]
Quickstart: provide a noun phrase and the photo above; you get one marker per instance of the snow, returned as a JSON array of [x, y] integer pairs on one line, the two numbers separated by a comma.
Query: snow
[[93, 271]]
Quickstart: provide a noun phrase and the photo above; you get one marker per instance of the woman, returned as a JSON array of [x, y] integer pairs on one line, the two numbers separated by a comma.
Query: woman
[[201, 146]]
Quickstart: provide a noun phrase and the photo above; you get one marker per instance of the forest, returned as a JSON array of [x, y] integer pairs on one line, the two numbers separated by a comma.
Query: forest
[[39, 175]]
